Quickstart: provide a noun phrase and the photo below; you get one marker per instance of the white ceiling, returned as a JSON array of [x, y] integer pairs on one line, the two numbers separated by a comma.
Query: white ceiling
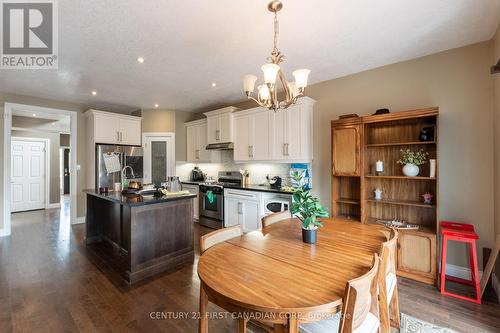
[[41, 121], [187, 45]]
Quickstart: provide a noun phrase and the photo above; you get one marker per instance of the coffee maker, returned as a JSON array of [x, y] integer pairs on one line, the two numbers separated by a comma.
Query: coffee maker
[[197, 174]]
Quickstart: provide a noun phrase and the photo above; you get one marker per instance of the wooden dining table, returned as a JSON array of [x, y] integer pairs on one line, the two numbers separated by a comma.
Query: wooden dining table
[[271, 276]]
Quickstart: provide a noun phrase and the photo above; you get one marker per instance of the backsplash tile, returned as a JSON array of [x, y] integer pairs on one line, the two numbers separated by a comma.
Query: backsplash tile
[[258, 171]]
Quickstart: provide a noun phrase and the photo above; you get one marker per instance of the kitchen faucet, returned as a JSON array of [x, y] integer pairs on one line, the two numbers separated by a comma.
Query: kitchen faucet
[[124, 174]]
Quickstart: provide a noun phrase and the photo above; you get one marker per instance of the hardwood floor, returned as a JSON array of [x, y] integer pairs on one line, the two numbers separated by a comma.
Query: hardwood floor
[[50, 283]]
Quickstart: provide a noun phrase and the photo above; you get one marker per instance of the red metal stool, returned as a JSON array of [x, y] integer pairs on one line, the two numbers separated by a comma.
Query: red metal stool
[[460, 232]]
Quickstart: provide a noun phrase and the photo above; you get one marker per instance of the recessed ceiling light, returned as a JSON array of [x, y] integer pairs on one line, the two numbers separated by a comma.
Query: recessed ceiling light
[[94, 93], [214, 84], [140, 60], [34, 114], [157, 106]]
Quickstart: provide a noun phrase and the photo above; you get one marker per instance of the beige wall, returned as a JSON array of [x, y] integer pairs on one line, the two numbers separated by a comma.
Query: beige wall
[[158, 121], [180, 133], [54, 181], [496, 77]]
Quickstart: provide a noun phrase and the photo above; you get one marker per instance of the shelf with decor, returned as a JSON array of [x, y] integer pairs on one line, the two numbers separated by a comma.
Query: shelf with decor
[[413, 203], [400, 177], [360, 147]]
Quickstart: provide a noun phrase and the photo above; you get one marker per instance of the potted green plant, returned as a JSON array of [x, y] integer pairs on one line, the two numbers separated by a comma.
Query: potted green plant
[[307, 209], [411, 161]]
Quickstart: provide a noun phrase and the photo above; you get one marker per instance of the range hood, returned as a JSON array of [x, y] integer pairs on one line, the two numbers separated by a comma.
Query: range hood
[[220, 146]]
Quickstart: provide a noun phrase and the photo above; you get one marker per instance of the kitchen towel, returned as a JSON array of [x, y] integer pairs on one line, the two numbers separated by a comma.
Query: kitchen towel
[[210, 196]]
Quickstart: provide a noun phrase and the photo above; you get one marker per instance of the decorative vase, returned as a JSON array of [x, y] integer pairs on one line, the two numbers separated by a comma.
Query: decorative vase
[[410, 170], [378, 194], [309, 236]]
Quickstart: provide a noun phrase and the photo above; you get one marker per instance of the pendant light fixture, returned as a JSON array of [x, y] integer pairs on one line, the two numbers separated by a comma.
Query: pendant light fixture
[[267, 92]]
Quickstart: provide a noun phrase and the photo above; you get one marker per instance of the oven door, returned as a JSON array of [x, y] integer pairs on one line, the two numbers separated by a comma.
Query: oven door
[[211, 206]]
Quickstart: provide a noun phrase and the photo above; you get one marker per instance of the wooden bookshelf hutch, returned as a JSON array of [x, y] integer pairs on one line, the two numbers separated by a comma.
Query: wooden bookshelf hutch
[[357, 143]]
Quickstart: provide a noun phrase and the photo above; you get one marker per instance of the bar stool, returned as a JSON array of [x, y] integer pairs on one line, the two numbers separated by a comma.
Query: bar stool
[[464, 233]]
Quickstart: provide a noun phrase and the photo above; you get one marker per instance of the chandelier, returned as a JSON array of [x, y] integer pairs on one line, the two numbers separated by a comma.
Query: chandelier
[[267, 93]]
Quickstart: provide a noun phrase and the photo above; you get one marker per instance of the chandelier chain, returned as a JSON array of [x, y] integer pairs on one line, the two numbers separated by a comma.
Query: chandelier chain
[[276, 33]]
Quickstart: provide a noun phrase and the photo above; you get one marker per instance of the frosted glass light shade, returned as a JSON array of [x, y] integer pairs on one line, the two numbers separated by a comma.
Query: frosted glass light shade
[[300, 76], [249, 82], [294, 91], [270, 72], [264, 93]]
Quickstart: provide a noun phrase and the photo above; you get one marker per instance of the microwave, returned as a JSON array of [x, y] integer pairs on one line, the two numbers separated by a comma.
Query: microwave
[[276, 205]]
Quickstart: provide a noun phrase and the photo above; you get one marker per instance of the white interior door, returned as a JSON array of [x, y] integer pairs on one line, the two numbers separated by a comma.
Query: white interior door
[[159, 158], [28, 175]]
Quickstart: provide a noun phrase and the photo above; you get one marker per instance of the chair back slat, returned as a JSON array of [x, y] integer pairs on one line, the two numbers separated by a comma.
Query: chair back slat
[[275, 217], [360, 299], [219, 236], [387, 283]]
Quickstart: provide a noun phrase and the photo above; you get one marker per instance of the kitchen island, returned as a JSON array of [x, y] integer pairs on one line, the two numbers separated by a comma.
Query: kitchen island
[[140, 235]]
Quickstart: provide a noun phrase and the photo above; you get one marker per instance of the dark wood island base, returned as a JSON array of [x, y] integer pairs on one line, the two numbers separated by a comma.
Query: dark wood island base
[[140, 236]]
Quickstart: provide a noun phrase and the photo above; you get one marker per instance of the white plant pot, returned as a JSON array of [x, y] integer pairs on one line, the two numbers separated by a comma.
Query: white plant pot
[[411, 170]]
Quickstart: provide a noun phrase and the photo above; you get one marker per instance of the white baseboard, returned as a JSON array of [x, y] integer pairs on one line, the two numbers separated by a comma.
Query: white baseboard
[[54, 205], [496, 285], [460, 272], [79, 220]]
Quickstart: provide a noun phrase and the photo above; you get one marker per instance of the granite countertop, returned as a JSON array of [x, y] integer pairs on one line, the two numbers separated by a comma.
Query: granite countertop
[[257, 188], [193, 182], [136, 199]]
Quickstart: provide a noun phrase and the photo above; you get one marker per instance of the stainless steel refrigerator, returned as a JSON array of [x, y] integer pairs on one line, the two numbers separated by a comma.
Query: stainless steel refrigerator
[[129, 157]]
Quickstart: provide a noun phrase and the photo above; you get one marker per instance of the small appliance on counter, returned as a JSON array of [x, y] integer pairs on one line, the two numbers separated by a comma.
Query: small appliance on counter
[[275, 183], [197, 175]]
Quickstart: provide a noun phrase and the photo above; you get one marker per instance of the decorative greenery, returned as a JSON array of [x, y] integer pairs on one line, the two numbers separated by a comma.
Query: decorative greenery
[[304, 206], [411, 157]]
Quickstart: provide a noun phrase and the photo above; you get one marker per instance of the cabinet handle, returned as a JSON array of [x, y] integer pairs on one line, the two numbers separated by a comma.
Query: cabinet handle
[[286, 148], [240, 208], [121, 136], [250, 151], [217, 135], [117, 136], [240, 194]]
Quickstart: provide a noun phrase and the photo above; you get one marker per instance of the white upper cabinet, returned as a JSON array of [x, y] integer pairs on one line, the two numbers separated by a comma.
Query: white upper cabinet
[[130, 131], [283, 136], [292, 138], [252, 133], [113, 128], [196, 141], [220, 125]]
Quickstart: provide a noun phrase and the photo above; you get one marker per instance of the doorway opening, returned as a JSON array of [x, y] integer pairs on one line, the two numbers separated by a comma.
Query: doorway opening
[[32, 164]]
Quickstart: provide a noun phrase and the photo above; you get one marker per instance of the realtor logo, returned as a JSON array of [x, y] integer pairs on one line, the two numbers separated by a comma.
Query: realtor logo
[[29, 34]]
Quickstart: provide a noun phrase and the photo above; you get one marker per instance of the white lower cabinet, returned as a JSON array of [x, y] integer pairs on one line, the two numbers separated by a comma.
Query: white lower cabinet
[[194, 189], [242, 208]]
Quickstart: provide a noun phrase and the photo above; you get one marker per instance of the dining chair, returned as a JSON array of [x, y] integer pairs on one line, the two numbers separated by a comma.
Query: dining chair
[[206, 242], [359, 310], [275, 217], [218, 236], [388, 286]]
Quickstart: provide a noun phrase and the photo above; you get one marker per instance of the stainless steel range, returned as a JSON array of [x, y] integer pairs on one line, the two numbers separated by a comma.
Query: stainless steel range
[[212, 199]]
